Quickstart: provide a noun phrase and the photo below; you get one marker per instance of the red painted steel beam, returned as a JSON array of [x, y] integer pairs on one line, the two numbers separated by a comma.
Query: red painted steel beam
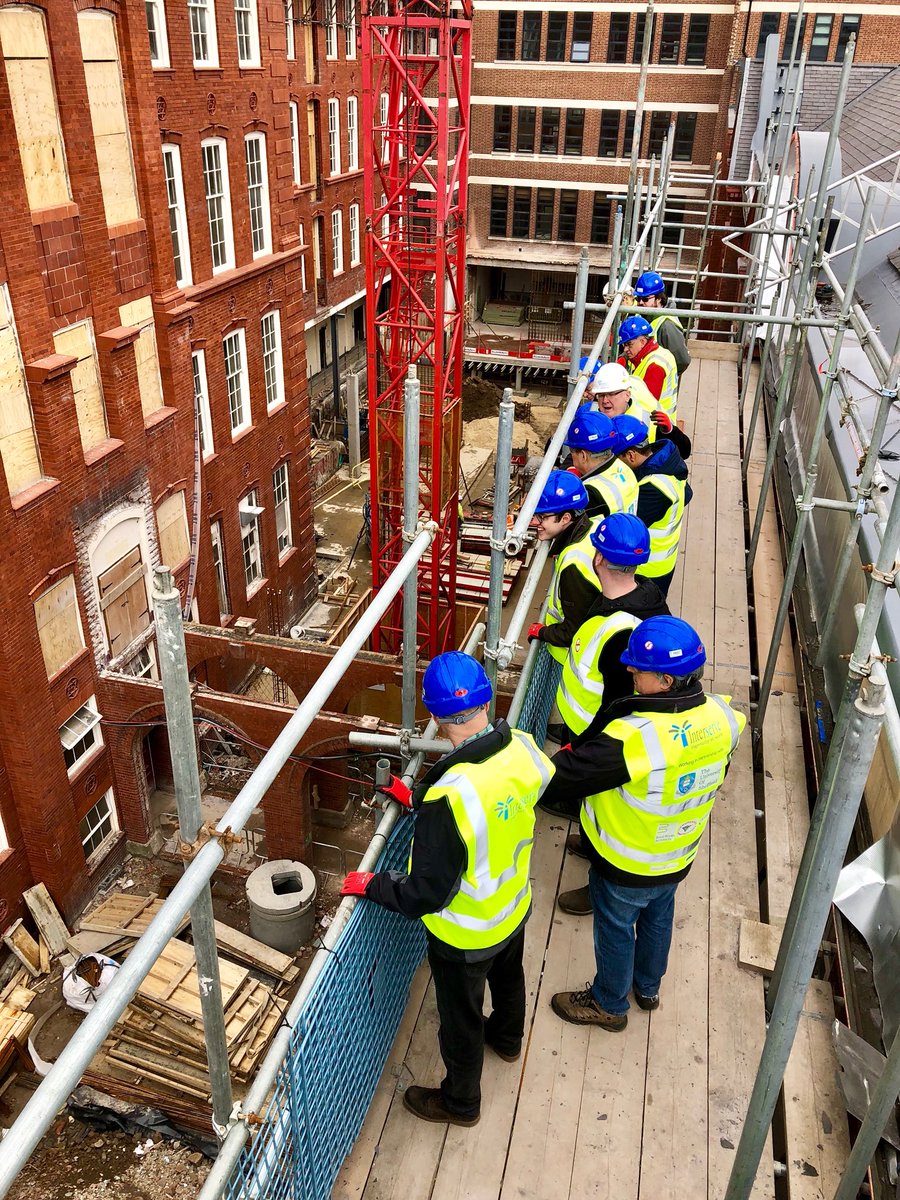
[[416, 70]]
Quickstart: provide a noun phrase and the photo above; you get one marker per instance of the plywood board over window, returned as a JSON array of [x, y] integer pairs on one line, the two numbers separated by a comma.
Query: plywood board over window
[[123, 600], [23, 40], [106, 99], [171, 518], [59, 625], [18, 445], [78, 341], [139, 314]]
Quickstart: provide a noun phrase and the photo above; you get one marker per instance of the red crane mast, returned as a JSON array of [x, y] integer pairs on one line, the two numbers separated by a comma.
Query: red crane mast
[[416, 71]]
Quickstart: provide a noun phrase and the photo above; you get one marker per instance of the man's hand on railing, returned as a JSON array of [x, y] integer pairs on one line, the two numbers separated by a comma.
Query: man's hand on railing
[[397, 790], [661, 420], [534, 631], [356, 883]]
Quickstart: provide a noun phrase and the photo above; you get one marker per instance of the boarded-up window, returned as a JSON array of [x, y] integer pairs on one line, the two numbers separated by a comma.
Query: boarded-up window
[[23, 38], [123, 600], [78, 341], [18, 445], [59, 625], [171, 518], [108, 118], [139, 313]]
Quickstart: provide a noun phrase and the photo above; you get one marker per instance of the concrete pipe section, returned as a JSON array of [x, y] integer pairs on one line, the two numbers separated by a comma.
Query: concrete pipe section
[[282, 897]]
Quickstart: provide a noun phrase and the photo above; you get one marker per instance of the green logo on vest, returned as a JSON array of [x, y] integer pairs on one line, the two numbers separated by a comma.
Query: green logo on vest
[[680, 732], [510, 807]]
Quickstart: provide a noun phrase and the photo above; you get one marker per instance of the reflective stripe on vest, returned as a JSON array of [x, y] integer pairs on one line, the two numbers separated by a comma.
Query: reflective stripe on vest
[[657, 321], [668, 399], [665, 532], [653, 824], [493, 806], [580, 555], [617, 486], [580, 693]]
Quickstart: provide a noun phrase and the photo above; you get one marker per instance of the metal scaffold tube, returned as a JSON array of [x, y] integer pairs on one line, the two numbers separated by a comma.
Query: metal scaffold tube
[[881, 1105], [759, 391], [630, 201], [805, 503], [411, 435], [173, 671], [76, 1056], [581, 287], [502, 465]]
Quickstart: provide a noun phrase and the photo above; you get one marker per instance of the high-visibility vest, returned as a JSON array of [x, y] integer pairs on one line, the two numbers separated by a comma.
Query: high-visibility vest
[[492, 803], [668, 400], [657, 321], [580, 555], [665, 532], [616, 485], [653, 824], [579, 696]]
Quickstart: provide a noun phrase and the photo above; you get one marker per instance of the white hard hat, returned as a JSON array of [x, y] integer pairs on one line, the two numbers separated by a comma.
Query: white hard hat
[[611, 377]]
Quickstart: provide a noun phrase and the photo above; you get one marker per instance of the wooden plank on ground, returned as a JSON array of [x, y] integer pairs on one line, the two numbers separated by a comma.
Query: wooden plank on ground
[[46, 917], [708, 348], [686, 409], [768, 580], [172, 980], [727, 430], [817, 1138], [759, 945], [786, 801], [732, 638], [24, 947], [254, 953], [675, 1163], [699, 592], [737, 1022], [473, 1160]]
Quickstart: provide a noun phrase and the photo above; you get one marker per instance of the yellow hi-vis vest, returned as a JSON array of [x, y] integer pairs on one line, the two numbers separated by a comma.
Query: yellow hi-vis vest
[[653, 824], [579, 696], [657, 321], [493, 806], [665, 532], [616, 485], [580, 555], [668, 400]]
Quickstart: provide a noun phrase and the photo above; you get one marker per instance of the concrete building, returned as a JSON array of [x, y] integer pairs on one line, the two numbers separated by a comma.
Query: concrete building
[[180, 215]]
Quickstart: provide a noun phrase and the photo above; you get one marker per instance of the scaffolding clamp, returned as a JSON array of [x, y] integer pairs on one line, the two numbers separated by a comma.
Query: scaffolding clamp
[[888, 393], [888, 578], [498, 544], [235, 1117], [208, 832]]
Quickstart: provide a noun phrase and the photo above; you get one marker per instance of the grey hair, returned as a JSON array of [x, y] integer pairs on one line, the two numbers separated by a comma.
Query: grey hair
[[683, 683]]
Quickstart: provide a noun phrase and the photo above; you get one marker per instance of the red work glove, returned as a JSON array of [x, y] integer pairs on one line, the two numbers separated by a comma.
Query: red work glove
[[356, 883], [397, 790], [661, 420], [534, 631], [568, 746]]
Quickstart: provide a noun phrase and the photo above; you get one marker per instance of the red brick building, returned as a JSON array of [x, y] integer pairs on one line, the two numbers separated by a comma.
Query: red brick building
[[171, 230]]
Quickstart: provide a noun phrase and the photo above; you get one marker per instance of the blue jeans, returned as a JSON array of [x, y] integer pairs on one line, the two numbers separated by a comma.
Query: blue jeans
[[624, 960]]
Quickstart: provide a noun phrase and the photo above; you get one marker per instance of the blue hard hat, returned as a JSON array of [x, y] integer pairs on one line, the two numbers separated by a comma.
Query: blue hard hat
[[583, 362], [634, 327], [629, 432], [454, 682], [665, 644], [591, 431], [563, 492], [649, 284], [623, 539]]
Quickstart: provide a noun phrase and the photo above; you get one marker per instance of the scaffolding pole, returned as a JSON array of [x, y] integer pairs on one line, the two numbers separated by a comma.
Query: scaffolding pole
[[646, 46], [759, 390], [76, 1056], [805, 503], [411, 434], [176, 685], [881, 1105], [581, 287], [741, 318], [502, 465]]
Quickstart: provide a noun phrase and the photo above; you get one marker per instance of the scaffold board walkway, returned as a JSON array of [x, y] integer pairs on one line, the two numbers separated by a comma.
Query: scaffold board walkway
[[653, 1113]]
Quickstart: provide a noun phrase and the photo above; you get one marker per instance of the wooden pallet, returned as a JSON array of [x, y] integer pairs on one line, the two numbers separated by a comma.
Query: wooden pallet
[[124, 913]]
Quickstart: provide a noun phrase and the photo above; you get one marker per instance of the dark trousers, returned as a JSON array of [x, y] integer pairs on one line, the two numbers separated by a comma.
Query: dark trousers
[[459, 990]]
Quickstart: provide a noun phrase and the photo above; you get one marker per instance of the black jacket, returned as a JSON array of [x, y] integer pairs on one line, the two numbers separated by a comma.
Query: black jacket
[[576, 594], [665, 460], [597, 763], [645, 601]]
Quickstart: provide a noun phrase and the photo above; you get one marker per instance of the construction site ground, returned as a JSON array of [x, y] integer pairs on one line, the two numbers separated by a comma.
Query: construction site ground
[[654, 1112]]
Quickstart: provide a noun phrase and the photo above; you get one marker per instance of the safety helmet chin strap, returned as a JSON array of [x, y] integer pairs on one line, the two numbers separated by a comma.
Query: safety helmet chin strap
[[463, 718]]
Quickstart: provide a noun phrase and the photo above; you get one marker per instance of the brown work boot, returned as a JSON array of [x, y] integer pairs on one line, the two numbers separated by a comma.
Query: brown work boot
[[573, 845], [582, 1009], [428, 1103], [577, 902]]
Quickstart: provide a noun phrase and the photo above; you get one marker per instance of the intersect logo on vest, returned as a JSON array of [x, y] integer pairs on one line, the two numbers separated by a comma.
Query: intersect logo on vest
[[510, 807], [689, 736]]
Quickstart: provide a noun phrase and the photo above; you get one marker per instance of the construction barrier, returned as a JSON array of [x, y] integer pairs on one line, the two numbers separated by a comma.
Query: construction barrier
[[338, 1049], [540, 696]]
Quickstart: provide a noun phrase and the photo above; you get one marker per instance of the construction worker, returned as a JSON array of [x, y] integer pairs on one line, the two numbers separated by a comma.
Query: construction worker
[[468, 880], [615, 392], [610, 484], [649, 293], [562, 521], [647, 782], [663, 493], [644, 357], [593, 674]]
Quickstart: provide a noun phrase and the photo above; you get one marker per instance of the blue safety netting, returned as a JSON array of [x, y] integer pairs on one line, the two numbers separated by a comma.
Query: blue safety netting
[[540, 694], [337, 1052]]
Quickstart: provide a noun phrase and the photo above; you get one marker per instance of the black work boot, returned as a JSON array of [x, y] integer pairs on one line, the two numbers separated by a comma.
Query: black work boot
[[574, 845], [428, 1103], [577, 902]]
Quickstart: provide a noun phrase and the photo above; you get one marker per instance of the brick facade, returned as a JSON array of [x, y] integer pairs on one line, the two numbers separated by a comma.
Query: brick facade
[[65, 264]]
